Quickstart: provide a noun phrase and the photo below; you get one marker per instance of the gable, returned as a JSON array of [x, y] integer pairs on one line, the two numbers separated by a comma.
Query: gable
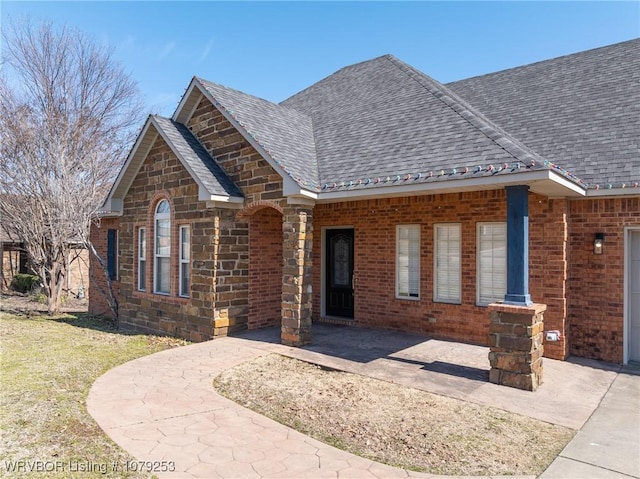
[[282, 136], [213, 183], [241, 162]]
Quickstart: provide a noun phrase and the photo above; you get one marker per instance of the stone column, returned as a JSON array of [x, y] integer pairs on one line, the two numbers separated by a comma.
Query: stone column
[[515, 339], [297, 276]]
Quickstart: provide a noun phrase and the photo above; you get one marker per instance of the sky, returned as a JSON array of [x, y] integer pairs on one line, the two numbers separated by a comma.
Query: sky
[[275, 49]]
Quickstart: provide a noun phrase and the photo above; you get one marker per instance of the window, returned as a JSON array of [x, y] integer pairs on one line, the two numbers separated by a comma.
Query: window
[[162, 266], [492, 262], [185, 246], [408, 261], [142, 259], [112, 254], [447, 271]]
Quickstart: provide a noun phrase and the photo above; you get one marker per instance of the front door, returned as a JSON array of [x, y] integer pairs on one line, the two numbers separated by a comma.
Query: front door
[[339, 273], [634, 296]]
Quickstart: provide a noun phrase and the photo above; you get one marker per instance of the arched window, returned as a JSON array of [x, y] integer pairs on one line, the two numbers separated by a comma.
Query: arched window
[[162, 251]]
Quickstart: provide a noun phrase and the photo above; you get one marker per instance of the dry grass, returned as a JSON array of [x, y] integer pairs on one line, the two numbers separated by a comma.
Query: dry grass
[[393, 424], [47, 366]]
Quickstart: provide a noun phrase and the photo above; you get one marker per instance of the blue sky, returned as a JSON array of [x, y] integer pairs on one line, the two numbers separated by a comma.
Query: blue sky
[[274, 49]]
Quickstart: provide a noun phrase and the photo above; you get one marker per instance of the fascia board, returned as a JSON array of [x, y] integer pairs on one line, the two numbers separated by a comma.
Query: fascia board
[[568, 188], [603, 193], [184, 116], [203, 193], [120, 183]]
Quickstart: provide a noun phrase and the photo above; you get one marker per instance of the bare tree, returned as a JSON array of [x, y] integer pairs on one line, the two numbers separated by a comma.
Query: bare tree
[[67, 113]]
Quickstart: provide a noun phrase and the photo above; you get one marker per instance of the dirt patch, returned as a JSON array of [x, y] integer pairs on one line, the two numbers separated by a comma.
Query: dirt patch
[[393, 424]]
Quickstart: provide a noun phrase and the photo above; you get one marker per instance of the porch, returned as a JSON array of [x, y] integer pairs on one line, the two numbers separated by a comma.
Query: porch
[[571, 390]]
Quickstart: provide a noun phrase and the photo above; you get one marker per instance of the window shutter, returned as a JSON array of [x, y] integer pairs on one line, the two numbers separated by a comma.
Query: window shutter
[[112, 253]]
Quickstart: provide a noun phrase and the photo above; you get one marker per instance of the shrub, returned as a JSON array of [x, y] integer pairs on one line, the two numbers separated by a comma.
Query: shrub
[[25, 283]]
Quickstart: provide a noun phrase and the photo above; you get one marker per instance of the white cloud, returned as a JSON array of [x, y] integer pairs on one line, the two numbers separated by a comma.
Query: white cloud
[[166, 51], [206, 51]]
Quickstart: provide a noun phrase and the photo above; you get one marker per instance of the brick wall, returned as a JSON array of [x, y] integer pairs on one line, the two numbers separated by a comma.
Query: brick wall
[[98, 304], [265, 268], [374, 223], [596, 282]]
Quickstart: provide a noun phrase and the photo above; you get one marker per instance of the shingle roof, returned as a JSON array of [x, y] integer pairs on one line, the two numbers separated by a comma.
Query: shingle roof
[[384, 120], [285, 134], [581, 111], [196, 157]]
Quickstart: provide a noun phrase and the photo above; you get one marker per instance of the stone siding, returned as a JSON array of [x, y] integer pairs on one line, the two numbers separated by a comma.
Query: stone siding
[[162, 176]]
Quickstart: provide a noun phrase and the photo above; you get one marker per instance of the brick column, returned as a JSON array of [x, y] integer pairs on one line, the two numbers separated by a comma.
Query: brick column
[[297, 276], [515, 338]]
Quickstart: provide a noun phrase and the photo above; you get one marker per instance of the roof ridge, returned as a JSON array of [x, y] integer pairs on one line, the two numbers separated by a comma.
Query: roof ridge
[[472, 116], [203, 80], [546, 60], [345, 68]]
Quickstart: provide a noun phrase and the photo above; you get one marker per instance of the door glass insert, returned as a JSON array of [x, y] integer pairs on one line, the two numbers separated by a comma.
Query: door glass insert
[[340, 251]]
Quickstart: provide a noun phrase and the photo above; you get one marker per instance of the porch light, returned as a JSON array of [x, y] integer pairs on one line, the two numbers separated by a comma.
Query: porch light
[[598, 243]]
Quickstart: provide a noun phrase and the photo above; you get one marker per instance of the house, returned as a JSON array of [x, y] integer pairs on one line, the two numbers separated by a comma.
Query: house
[[16, 261], [380, 197]]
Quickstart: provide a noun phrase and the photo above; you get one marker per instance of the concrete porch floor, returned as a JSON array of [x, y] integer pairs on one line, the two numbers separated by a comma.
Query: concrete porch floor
[[570, 392]]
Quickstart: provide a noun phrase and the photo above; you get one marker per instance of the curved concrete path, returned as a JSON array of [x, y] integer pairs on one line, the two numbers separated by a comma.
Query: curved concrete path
[[163, 408]]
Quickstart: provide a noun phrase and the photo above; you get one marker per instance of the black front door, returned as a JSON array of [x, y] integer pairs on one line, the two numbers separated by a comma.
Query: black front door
[[339, 273]]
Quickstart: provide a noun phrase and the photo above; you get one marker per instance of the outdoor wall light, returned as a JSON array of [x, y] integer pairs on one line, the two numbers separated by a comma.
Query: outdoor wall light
[[598, 243]]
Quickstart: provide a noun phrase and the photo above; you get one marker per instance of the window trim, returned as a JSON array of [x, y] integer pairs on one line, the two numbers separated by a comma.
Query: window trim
[[436, 299], [478, 252], [165, 216], [142, 259], [414, 227], [183, 261]]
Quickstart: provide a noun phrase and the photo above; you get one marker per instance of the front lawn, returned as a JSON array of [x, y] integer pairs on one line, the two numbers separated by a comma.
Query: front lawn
[[47, 366]]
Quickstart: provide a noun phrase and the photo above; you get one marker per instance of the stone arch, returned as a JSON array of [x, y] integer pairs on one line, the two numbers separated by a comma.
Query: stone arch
[[255, 206]]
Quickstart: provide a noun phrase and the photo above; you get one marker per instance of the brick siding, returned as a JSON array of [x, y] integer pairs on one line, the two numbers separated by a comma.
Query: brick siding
[[374, 223], [596, 282], [98, 304], [265, 268]]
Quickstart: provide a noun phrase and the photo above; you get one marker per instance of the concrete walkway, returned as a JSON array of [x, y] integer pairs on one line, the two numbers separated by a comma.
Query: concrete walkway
[[163, 407]]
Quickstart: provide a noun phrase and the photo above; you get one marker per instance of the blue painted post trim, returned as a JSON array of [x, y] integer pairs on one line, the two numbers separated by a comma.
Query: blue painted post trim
[[518, 246]]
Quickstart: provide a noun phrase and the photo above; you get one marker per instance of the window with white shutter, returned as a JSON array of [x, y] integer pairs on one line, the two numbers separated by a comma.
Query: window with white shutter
[[408, 261], [491, 262], [446, 268]]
